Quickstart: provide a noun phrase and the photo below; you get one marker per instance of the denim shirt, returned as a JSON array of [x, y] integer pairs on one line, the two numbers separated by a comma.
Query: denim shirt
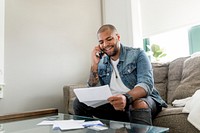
[[134, 69]]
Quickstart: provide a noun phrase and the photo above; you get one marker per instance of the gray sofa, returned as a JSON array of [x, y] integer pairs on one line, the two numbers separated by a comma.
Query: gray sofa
[[174, 80]]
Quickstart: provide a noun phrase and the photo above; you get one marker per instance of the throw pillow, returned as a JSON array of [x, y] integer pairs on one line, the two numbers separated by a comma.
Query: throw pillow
[[174, 76], [190, 81]]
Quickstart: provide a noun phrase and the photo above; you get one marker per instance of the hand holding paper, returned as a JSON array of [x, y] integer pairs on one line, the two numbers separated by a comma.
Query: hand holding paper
[[93, 96]]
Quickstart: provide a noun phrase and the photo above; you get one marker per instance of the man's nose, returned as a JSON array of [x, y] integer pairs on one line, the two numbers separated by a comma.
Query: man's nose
[[105, 43]]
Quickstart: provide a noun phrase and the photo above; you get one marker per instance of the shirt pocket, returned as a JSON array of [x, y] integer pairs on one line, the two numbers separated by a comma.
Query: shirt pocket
[[104, 75], [130, 68], [130, 73]]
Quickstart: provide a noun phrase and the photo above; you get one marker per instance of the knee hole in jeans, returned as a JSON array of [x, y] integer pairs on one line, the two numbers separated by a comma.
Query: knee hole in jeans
[[140, 104]]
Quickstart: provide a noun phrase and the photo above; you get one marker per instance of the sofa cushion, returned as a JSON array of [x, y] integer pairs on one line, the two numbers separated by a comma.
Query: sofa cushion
[[174, 77], [190, 81], [160, 72], [174, 119]]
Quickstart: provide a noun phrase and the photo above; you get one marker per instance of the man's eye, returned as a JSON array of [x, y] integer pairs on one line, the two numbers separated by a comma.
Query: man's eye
[[109, 39], [100, 42]]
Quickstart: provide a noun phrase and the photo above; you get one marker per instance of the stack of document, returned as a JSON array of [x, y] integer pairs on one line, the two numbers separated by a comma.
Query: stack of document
[[93, 96], [70, 124]]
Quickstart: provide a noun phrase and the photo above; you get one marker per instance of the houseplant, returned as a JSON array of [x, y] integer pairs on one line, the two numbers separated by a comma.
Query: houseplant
[[156, 52]]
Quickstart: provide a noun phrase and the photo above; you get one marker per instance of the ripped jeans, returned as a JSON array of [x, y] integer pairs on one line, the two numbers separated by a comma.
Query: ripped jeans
[[107, 111]]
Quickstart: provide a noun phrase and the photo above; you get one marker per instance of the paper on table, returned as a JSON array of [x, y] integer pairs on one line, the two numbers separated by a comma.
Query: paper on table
[[92, 123], [63, 124], [45, 123], [93, 96], [50, 122], [68, 124]]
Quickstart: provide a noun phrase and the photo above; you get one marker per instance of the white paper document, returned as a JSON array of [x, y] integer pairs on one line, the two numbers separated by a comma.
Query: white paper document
[[68, 124], [63, 124], [45, 123], [93, 96], [71, 124]]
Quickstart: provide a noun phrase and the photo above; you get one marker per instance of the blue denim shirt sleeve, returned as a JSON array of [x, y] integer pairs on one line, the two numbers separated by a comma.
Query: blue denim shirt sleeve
[[144, 73]]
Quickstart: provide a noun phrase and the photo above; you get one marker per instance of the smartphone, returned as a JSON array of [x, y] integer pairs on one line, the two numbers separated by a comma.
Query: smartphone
[[100, 54]]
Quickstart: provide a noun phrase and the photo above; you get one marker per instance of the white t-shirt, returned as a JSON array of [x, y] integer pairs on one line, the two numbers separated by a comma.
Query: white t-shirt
[[116, 84]]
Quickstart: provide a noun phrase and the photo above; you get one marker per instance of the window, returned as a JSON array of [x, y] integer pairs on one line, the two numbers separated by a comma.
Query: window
[[161, 22], [175, 43], [194, 39]]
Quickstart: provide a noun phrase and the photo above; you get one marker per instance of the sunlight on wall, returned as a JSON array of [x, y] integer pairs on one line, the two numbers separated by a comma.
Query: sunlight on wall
[[175, 43]]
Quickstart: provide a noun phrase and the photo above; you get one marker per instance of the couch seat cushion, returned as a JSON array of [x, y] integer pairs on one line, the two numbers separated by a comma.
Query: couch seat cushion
[[175, 120]]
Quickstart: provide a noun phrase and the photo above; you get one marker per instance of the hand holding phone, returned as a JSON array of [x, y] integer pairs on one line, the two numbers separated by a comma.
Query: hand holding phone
[[97, 54], [100, 54]]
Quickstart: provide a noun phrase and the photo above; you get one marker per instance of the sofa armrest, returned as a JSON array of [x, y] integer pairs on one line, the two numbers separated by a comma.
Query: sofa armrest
[[69, 97]]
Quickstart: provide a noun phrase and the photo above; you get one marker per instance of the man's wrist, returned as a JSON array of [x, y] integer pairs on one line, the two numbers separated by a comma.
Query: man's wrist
[[129, 99]]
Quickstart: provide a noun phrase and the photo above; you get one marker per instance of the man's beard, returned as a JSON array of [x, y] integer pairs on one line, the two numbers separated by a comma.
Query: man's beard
[[115, 51]]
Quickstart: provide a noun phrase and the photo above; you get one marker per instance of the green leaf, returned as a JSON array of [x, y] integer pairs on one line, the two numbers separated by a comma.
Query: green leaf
[[157, 51]]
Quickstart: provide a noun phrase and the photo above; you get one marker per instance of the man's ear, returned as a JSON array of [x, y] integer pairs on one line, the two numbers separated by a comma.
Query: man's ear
[[118, 36]]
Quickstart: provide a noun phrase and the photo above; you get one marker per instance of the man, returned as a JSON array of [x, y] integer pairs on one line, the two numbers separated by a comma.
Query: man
[[128, 72]]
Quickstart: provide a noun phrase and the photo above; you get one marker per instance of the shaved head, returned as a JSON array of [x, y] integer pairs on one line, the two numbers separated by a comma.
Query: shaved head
[[107, 27]]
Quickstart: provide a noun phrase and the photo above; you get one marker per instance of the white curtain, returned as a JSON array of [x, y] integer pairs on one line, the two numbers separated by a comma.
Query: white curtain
[[163, 15]]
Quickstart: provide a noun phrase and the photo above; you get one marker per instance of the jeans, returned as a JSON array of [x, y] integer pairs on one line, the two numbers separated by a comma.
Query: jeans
[[108, 112]]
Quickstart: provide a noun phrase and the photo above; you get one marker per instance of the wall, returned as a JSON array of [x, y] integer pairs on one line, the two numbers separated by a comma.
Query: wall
[[47, 45], [119, 13], [2, 12]]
